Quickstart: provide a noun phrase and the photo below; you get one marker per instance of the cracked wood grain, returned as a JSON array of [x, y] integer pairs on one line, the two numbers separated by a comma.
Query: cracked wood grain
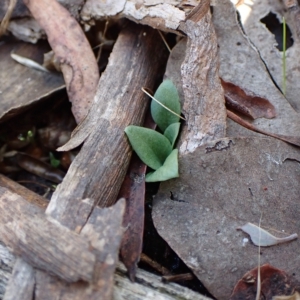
[[204, 104], [99, 169], [88, 256]]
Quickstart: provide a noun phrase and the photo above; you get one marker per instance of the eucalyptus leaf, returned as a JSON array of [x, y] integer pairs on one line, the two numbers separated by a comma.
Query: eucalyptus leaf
[[166, 94], [167, 171], [172, 132], [151, 146]]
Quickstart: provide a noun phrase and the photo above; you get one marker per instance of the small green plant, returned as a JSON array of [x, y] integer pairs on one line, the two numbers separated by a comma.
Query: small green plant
[[156, 149], [28, 137], [53, 161]]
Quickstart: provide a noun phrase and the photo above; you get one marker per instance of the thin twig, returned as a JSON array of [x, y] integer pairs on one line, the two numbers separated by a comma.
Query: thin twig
[[101, 45], [284, 57], [164, 40], [258, 289], [155, 265], [178, 277], [5, 20]]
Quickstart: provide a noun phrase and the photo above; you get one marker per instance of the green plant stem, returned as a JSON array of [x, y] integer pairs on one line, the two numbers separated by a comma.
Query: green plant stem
[[284, 57]]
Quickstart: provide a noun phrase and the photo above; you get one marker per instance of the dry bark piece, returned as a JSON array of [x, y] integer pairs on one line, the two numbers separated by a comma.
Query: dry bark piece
[[274, 282], [99, 248], [241, 65], [23, 274], [25, 193], [221, 185], [148, 285], [7, 262], [163, 15], [22, 86], [203, 107], [106, 244], [247, 104], [71, 47], [136, 60], [43, 244]]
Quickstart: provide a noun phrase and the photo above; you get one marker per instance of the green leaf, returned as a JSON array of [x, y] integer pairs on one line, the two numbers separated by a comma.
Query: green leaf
[[166, 94], [53, 161], [167, 171], [151, 146], [172, 132]]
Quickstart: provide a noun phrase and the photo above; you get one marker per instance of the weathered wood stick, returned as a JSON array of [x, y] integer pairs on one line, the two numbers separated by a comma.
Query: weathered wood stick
[[147, 286], [42, 243], [99, 169], [204, 104], [23, 278], [23, 192], [47, 245]]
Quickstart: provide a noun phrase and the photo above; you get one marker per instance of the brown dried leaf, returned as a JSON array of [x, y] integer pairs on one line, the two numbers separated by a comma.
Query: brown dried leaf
[[22, 86], [246, 103], [295, 140], [273, 282], [222, 184], [133, 190], [72, 49], [241, 65]]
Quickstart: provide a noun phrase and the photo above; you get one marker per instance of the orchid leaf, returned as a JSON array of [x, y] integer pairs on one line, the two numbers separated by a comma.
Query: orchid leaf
[[151, 146], [167, 171], [166, 94], [172, 132]]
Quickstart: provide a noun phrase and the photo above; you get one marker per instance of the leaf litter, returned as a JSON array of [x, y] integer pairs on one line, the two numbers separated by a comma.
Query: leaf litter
[[263, 238], [275, 284], [268, 109]]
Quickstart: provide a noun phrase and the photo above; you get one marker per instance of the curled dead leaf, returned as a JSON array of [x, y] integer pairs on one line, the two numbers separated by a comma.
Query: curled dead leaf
[[247, 103]]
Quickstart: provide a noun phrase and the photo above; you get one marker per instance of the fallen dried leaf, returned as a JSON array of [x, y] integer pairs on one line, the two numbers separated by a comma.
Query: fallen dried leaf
[[133, 190], [222, 184], [241, 65], [289, 139], [28, 62], [244, 102], [263, 238], [22, 86], [273, 282], [72, 49]]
